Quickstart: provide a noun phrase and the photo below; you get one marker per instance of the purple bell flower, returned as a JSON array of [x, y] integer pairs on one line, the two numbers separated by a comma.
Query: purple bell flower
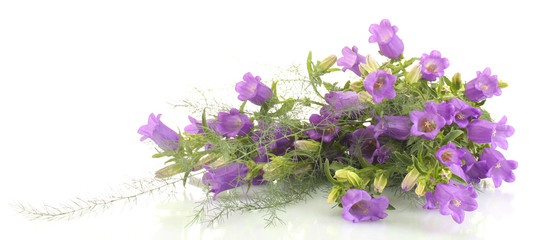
[[341, 103], [364, 140], [351, 60], [449, 155], [455, 199], [426, 124], [396, 127], [444, 109], [226, 177], [162, 135], [385, 35], [474, 170], [195, 128], [483, 86], [431, 202], [502, 131], [433, 65], [271, 138], [358, 206], [463, 112], [326, 127], [380, 85], [499, 168], [253, 90], [233, 123]]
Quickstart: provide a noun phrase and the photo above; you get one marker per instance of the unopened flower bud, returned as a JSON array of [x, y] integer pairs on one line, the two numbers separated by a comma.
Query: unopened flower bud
[[410, 179], [365, 96], [334, 194], [356, 86], [456, 81], [327, 63], [345, 175], [307, 145], [370, 66], [414, 74], [380, 182], [420, 188], [502, 84], [168, 171]]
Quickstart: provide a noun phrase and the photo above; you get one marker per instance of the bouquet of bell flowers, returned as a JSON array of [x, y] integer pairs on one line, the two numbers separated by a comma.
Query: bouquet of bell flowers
[[401, 124]]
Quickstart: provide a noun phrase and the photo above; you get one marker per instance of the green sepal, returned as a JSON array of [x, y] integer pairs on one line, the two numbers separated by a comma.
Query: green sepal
[[390, 207], [328, 173]]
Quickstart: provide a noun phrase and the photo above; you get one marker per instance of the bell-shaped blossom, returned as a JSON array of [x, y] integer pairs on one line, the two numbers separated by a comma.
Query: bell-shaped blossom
[[325, 127], [351, 60], [271, 138], [425, 124], [359, 206], [502, 131], [449, 155], [396, 127], [483, 86], [484, 131], [233, 123], [343, 103], [252, 89], [196, 127], [433, 65], [431, 202], [382, 153], [385, 35], [463, 112], [162, 135], [364, 140], [226, 177], [474, 170], [499, 168], [455, 199], [380, 85], [443, 109]]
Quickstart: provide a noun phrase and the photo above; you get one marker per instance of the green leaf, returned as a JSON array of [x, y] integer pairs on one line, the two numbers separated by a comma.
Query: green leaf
[[450, 137], [328, 174], [286, 107], [458, 179], [391, 207], [403, 157]]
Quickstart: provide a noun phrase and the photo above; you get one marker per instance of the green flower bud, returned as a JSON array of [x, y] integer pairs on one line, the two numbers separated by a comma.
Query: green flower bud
[[168, 171], [365, 96], [414, 74], [456, 81], [334, 194], [502, 84], [420, 188], [356, 86], [410, 179], [380, 182], [307, 145], [345, 175], [327, 63], [371, 65]]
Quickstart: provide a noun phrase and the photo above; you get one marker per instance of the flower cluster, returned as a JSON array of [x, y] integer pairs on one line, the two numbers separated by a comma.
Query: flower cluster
[[399, 123]]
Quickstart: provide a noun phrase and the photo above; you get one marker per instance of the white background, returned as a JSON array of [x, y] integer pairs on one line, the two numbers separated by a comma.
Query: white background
[[78, 78]]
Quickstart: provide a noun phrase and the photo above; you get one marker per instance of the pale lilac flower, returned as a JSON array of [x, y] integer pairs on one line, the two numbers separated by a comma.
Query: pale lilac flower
[[425, 124], [364, 140], [463, 112], [271, 138], [341, 103], [502, 131], [233, 123], [483, 86], [162, 135], [380, 85], [325, 127], [455, 199], [351, 60], [449, 155], [358, 206], [396, 127], [499, 168], [433, 65], [474, 170], [444, 109], [481, 130], [252, 89], [385, 35], [226, 177]]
